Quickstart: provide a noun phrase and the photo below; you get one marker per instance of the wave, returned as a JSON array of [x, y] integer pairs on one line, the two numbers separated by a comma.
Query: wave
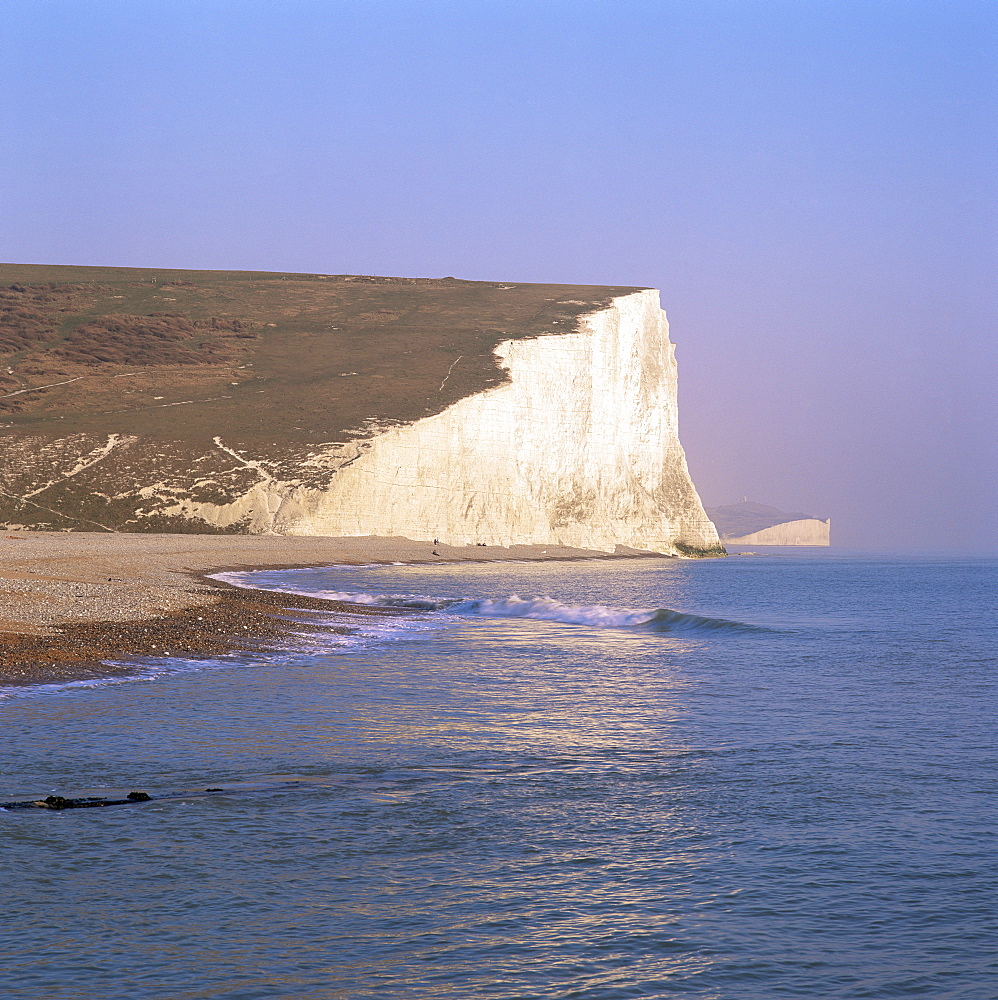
[[543, 609], [596, 615], [665, 620]]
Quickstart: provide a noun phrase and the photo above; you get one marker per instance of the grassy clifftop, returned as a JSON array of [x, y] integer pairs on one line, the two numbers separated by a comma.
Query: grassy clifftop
[[254, 355]]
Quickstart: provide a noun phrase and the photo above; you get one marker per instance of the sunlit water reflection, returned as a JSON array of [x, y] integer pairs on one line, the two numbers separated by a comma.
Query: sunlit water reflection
[[461, 805]]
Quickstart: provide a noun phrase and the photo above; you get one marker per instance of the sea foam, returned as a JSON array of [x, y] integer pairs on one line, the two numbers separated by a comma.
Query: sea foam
[[539, 608]]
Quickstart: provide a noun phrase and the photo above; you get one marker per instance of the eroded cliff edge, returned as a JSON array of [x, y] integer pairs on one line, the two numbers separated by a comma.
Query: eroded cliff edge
[[564, 431]]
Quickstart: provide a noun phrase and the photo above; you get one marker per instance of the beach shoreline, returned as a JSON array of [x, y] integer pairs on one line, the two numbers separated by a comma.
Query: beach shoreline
[[80, 605]]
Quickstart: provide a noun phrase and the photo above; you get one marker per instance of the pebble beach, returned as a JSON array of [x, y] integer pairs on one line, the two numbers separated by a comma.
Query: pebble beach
[[72, 601]]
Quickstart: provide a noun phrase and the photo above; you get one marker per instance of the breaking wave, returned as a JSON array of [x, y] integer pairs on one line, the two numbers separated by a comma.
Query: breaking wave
[[546, 609], [594, 615]]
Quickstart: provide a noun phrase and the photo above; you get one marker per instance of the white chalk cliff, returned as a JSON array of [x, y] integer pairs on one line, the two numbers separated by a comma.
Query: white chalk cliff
[[580, 447], [751, 523]]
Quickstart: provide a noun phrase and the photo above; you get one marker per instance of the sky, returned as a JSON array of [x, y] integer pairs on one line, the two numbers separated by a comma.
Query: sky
[[810, 184]]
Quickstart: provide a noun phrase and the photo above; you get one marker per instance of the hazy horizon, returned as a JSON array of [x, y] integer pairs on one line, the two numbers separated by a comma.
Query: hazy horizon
[[811, 186]]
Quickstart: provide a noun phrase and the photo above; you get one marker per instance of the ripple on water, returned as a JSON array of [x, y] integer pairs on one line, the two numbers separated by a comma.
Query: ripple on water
[[514, 806]]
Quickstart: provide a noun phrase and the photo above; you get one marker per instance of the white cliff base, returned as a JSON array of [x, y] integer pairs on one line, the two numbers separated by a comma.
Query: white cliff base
[[580, 448]]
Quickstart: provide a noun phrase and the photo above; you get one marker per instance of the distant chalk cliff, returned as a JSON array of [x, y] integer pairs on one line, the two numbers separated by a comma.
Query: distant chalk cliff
[[750, 523], [562, 432]]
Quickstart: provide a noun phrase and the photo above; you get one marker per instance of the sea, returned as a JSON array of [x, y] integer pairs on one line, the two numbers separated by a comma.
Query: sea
[[749, 778]]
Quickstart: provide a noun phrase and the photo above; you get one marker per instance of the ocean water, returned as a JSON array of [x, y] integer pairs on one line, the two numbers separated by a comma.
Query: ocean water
[[741, 779]]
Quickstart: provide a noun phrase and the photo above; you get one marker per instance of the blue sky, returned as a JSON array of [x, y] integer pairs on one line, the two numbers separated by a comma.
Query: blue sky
[[810, 184]]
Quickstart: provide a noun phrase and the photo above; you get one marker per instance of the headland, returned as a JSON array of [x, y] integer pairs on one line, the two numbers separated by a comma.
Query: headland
[[749, 523], [139, 400]]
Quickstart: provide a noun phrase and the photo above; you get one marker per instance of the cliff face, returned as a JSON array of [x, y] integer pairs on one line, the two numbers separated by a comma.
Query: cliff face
[[806, 531], [337, 405], [580, 448], [749, 523]]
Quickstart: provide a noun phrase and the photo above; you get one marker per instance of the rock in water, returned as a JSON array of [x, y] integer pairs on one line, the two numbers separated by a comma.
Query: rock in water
[[60, 802]]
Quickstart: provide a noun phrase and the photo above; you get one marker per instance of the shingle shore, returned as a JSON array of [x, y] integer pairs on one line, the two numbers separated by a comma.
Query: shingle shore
[[70, 601], [234, 620]]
